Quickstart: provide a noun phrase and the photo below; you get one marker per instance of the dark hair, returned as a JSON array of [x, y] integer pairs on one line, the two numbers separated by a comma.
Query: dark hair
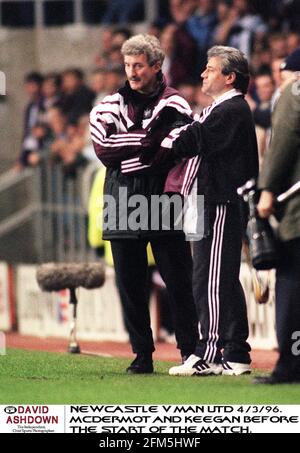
[[122, 31], [55, 77], [78, 73], [35, 77], [226, 2], [263, 70]]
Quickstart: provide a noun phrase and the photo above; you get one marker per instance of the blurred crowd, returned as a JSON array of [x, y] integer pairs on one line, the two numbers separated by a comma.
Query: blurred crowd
[[56, 115]]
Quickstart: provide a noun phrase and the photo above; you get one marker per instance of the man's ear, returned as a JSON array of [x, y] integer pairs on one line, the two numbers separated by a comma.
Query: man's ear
[[157, 66], [231, 78]]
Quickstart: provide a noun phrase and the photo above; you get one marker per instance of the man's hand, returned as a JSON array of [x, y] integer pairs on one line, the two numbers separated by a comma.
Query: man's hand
[[265, 206]]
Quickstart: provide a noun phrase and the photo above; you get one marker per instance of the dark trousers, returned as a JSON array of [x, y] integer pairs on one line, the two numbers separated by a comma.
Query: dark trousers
[[218, 294], [174, 261], [288, 311]]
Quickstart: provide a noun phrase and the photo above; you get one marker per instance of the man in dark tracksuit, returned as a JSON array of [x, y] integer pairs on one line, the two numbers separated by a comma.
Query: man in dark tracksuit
[[224, 139], [120, 128], [281, 170]]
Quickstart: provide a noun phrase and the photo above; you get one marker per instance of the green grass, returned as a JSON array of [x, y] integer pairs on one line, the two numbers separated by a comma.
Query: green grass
[[31, 377]]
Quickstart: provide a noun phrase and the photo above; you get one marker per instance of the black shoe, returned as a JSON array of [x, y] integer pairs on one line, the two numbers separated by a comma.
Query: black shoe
[[273, 379], [142, 364]]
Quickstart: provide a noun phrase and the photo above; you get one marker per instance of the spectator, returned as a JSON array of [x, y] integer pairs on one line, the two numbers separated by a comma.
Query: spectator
[[264, 85], [51, 90], [97, 84], [265, 88], [227, 16], [278, 45], [261, 61], [246, 26], [68, 150], [115, 56], [167, 39], [181, 10], [201, 26], [57, 121], [77, 99], [51, 93], [37, 146], [106, 45], [119, 36], [156, 27], [292, 41], [114, 78], [178, 67], [33, 111], [291, 14]]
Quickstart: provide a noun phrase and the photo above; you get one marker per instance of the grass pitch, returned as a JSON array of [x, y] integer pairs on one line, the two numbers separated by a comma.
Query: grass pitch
[[33, 377]]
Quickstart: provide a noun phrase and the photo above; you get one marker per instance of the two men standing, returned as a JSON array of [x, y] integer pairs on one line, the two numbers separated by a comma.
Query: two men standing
[[144, 132]]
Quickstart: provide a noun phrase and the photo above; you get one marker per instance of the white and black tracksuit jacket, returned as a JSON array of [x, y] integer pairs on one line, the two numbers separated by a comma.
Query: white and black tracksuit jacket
[[127, 129]]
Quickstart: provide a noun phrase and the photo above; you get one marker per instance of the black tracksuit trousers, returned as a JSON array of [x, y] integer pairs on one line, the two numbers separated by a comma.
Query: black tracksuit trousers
[[218, 294], [174, 261]]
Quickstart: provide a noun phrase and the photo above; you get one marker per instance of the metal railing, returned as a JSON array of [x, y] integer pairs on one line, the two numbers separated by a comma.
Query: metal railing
[[43, 215]]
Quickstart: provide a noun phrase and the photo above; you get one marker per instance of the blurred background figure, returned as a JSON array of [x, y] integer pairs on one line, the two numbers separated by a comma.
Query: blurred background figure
[[77, 99], [32, 115], [51, 90], [201, 26], [97, 84], [280, 171], [265, 87]]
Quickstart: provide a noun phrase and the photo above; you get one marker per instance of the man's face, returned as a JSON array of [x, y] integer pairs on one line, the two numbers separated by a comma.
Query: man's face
[[264, 87], [141, 76], [214, 82], [70, 83], [32, 89]]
